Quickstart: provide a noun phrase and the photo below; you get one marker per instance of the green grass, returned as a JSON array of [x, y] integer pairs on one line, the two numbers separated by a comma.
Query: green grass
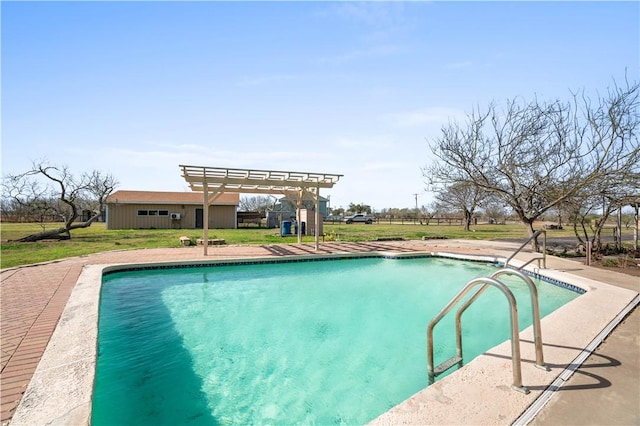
[[97, 239]]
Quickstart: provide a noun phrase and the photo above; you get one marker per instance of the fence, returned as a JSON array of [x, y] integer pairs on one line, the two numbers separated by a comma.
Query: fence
[[406, 220]]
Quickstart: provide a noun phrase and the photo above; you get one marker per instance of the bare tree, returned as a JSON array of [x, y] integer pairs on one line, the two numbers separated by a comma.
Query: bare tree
[[590, 209], [535, 155], [25, 200], [259, 203], [462, 197], [494, 209], [99, 186], [427, 213], [54, 191]]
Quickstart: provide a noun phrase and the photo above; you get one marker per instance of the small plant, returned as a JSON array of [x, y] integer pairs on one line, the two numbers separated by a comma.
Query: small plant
[[610, 263], [331, 236], [625, 261]]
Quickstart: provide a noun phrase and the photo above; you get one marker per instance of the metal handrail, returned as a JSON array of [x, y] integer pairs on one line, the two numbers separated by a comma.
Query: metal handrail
[[544, 249], [535, 308], [515, 333]]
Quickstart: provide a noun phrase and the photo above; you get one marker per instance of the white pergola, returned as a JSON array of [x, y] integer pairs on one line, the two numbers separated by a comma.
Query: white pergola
[[213, 181]]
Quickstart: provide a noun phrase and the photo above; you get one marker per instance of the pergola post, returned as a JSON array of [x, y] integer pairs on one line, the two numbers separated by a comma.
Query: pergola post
[[294, 199], [298, 217], [317, 227], [205, 216], [207, 201]]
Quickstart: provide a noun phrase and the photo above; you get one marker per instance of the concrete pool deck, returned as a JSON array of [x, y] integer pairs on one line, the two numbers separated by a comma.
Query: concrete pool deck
[[34, 297]]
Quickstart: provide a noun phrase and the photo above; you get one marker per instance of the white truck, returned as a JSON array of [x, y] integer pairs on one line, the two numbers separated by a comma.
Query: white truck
[[359, 218]]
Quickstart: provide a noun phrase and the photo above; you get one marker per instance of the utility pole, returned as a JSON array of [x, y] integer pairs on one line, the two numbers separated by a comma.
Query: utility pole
[[416, 196]]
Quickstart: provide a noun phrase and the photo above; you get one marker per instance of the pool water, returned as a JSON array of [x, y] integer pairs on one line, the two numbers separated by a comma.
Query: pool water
[[330, 342]]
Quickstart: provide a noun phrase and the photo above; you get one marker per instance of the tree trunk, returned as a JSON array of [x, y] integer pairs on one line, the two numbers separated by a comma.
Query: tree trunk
[[58, 234], [535, 247], [596, 241], [467, 220], [62, 233], [528, 223], [577, 233]]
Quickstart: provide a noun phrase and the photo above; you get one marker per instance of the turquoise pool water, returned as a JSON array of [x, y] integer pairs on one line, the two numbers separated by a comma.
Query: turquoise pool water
[[330, 342]]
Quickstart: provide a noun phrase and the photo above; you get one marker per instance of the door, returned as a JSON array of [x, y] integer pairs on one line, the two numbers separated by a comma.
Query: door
[[199, 218]]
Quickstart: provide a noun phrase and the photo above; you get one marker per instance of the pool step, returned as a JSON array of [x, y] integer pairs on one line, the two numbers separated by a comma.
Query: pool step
[[441, 368]]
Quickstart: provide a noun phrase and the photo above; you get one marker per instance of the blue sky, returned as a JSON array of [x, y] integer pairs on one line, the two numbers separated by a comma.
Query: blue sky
[[352, 88]]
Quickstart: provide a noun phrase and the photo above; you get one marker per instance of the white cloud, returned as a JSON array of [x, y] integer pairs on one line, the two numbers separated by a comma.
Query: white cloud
[[425, 116], [344, 142], [252, 81], [382, 93], [370, 13], [366, 144], [166, 158], [383, 166], [373, 168], [458, 65], [378, 23], [379, 51]]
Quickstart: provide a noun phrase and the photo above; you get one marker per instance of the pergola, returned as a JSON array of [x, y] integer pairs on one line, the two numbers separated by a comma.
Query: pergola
[[213, 181]]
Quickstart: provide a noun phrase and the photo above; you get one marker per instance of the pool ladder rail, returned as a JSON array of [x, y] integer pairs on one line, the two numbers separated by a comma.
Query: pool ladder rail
[[537, 257], [486, 282]]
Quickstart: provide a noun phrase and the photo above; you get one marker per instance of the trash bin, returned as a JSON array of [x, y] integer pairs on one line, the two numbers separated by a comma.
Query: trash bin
[[286, 227], [302, 228]]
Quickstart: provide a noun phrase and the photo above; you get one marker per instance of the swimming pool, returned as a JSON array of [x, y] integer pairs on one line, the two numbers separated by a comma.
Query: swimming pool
[[338, 342]]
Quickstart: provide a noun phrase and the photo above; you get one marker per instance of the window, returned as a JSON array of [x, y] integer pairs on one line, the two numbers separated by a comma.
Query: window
[[153, 212]]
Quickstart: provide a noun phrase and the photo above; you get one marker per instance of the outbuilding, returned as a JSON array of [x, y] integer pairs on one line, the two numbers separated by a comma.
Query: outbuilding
[[169, 210]]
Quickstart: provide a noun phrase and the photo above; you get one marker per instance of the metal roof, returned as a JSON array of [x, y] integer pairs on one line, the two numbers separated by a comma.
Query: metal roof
[[254, 181]]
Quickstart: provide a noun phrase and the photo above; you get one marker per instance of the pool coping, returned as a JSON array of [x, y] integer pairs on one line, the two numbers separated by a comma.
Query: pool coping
[[61, 389]]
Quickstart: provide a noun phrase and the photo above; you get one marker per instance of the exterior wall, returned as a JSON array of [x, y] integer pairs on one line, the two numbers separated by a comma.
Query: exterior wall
[[309, 217], [125, 216], [222, 217]]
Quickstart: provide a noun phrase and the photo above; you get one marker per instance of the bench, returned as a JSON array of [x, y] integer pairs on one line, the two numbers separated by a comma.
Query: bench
[[212, 241]]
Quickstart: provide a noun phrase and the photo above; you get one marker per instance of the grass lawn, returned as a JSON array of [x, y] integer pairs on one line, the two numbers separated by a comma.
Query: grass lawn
[[97, 239]]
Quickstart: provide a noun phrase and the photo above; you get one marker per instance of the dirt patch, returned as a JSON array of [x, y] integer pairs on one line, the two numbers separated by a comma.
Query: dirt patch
[[619, 263], [626, 263]]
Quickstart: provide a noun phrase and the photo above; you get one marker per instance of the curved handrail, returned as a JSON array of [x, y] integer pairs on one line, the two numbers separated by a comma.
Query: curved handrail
[[515, 333], [535, 312], [544, 249], [535, 308]]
